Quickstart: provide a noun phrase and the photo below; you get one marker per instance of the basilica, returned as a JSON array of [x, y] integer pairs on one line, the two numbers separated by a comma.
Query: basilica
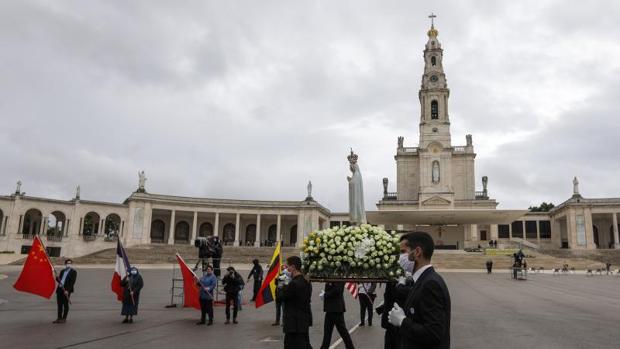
[[435, 192]]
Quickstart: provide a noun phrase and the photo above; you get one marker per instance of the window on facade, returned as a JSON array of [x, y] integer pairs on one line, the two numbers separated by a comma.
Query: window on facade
[[503, 231], [517, 229], [433, 61], [530, 229], [434, 110], [545, 229]]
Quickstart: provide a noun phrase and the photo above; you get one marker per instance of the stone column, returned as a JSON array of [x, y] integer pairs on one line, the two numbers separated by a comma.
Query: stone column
[[43, 224], [194, 226], [172, 226], [614, 219], [571, 229], [216, 226], [237, 222], [257, 238], [538, 232], [300, 228], [494, 232], [587, 217], [510, 230], [2, 224], [474, 233], [524, 231], [279, 228]]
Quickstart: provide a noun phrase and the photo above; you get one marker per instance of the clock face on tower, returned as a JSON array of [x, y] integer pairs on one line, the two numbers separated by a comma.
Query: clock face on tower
[[434, 78]]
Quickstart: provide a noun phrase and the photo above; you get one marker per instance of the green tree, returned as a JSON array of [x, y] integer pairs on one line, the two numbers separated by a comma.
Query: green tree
[[544, 207]]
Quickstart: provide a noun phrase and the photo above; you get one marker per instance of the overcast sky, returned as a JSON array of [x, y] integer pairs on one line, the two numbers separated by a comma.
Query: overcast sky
[[251, 99]]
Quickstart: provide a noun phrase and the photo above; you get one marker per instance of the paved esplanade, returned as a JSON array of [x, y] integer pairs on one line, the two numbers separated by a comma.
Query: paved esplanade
[[546, 311]]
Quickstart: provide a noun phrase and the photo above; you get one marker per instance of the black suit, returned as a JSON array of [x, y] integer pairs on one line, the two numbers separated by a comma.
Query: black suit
[[427, 308], [296, 297], [62, 300], [394, 293], [333, 306]]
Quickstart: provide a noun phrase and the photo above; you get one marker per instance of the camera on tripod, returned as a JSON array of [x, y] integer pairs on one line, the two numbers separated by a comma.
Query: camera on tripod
[[203, 248], [209, 248]]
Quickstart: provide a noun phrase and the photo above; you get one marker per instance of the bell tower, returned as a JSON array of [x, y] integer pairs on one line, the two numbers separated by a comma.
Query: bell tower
[[434, 93]]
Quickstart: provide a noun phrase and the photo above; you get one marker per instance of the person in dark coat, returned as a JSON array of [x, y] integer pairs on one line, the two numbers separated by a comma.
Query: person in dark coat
[[257, 274], [489, 266], [132, 285], [233, 283], [333, 306], [64, 288], [425, 320], [396, 293], [366, 297], [296, 296], [281, 280]]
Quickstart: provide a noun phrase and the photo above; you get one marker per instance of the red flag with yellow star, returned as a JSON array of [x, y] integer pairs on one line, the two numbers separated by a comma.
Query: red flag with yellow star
[[37, 276]]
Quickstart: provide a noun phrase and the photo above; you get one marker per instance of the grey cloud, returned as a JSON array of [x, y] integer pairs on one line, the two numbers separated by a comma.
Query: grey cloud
[[251, 100]]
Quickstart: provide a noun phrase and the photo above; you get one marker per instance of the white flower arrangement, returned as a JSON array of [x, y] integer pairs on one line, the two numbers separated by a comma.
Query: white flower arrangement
[[352, 252]]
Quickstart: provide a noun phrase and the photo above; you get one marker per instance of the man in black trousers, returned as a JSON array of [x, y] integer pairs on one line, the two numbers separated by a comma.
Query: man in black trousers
[[425, 320], [257, 274], [296, 296], [333, 306], [64, 287]]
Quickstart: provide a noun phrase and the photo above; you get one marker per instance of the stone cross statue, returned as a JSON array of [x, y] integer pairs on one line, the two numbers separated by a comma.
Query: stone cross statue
[[18, 190], [77, 192], [469, 140], [309, 189], [485, 181], [142, 181], [401, 142], [357, 213], [575, 186]]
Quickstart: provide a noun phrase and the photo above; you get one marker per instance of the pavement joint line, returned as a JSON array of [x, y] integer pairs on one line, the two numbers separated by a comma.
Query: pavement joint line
[[336, 343], [115, 335]]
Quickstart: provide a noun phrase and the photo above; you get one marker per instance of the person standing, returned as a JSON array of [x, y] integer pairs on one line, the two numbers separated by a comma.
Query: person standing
[[366, 296], [232, 286], [333, 306], [64, 288], [281, 281], [257, 274], [425, 320], [132, 285], [396, 293], [207, 284], [489, 266], [296, 297]]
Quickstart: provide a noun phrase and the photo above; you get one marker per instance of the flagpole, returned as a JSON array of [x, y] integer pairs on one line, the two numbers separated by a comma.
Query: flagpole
[[62, 287], [127, 273]]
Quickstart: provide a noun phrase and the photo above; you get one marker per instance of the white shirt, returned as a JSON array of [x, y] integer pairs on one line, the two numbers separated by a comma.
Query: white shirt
[[363, 287], [419, 272]]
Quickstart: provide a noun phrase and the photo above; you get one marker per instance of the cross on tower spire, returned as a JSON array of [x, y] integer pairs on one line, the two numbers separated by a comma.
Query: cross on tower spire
[[432, 16]]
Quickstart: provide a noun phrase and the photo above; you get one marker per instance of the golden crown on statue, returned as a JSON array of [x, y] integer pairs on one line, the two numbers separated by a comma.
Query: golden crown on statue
[[352, 158]]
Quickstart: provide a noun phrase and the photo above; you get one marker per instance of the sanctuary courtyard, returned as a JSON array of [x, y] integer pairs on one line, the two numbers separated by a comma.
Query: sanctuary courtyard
[[435, 192]]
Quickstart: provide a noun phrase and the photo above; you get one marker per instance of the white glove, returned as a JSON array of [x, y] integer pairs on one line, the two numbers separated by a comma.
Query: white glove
[[396, 315], [402, 280], [322, 295]]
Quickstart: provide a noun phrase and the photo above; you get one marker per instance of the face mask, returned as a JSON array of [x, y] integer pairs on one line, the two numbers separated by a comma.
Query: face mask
[[134, 272], [209, 272], [405, 263], [68, 265]]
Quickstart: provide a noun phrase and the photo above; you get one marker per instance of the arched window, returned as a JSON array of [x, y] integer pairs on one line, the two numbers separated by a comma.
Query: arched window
[[32, 222], [433, 61], [206, 229], [272, 233], [181, 232], [434, 110], [436, 171], [158, 231], [112, 227], [250, 234], [229, 232], [91, 224], [293, 235]]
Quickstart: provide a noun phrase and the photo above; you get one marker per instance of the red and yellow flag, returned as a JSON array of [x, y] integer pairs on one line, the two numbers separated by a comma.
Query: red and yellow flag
[[37, 276], [267, 292]]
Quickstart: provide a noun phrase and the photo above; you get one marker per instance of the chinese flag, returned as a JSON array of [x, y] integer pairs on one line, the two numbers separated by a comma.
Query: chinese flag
[[191, 291], [37, 275]]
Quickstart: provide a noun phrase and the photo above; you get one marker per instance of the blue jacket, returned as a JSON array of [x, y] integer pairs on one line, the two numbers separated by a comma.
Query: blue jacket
[[210, 282]]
